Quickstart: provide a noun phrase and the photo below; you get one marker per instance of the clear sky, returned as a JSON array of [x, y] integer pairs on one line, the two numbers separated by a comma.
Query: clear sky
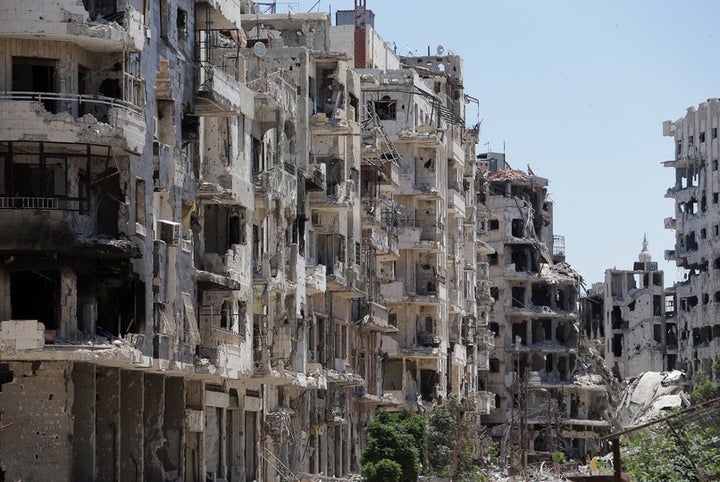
[[578, 90]]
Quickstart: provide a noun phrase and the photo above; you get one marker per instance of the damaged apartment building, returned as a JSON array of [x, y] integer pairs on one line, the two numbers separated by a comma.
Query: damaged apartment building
[[697, 228], [627, 316], [548, 397], [434, 279], [229, 237]]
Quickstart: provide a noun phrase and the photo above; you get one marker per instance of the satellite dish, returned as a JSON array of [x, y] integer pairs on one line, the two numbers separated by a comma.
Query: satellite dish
[[259, 49], [440, 50]]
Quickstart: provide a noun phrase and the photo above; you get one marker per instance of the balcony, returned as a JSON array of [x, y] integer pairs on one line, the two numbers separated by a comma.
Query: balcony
[[273, 94], [315, 178], [456, 203], [278, 182], [69, 21], [419, 234], [322, 125], [378, 319], [72, 118], [340, 196], [426, 136], [385, 244], [221, 14], [220, 94], [426, 186], [484, 402], [315, 278]]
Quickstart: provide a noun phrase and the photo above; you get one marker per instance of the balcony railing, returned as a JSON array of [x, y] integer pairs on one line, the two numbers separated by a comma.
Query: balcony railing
[[76, 105]]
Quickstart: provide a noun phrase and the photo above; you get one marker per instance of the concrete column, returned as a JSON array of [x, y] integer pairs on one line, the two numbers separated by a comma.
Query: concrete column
[[107, 428], [5, 306], [36, 446], [174, 419], [131, 425], [68, 303], [84, 414], [154, 404]]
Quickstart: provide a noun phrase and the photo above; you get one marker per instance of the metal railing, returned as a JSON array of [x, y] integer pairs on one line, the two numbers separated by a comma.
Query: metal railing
[[71, 103]]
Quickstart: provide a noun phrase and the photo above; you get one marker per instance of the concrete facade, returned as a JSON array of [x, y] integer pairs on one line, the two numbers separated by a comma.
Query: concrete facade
[[226, 244], [697, 226], [636, 337], [551, 394]]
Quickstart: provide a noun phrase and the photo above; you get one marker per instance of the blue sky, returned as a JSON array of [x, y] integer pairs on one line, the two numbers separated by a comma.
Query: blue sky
[[579, 91]]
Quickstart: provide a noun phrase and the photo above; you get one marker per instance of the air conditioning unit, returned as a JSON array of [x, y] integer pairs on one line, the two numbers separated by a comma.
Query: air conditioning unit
[[169, 232]]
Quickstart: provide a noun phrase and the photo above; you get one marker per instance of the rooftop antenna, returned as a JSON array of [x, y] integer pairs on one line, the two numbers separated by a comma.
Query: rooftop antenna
[[313, 7]]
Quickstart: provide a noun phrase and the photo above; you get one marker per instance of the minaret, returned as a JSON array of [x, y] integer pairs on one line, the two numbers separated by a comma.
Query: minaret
[[645, 256]]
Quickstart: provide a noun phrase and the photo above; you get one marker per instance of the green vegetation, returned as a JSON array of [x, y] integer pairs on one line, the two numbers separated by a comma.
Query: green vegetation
[[396, 447], [662, 454], [401, 446]]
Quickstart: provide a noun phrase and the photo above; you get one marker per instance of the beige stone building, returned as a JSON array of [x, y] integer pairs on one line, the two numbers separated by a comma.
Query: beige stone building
[[697, 228], [227, 240], [549, 396], [636, 336]]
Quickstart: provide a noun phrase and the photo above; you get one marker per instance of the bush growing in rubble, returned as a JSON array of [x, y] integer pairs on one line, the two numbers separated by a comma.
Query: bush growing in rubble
[[704, 389], [396, 447]]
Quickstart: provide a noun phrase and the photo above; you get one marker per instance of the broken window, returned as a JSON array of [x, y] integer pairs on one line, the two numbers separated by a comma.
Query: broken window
[[392, 319], [657, 305], [386, 109], [617, 345], [541, 330], [517, 227], [392, 375], [493, 224], [340, 341], [658, 279], [541, 294], [492, 259], [519, 331], [657, 333], [34, 296], [494, 365], [702, 137], [561, 332], [428, 382], [494, 328], [518, 296], [616, 318], [140, 194], [163, 18], [714, 133], [37, 75], [181, 23]]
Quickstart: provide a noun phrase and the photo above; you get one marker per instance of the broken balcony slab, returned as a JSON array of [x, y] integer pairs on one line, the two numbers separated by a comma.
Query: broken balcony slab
[[218, 14], [69, 21], [24, 117], [212, 281], [221, 94]]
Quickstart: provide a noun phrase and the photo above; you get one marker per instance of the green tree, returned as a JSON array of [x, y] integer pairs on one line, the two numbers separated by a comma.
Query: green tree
[[396, 446], [704, 388], [451, 441]]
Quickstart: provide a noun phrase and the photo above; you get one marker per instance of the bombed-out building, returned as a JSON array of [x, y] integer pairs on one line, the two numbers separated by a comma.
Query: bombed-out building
[[228, 239], [549, 397], [636, 337], [697, 227]]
